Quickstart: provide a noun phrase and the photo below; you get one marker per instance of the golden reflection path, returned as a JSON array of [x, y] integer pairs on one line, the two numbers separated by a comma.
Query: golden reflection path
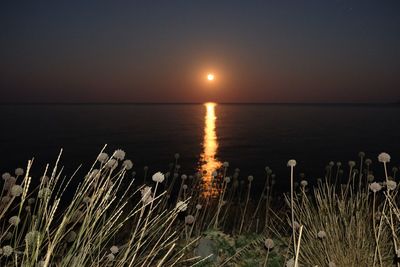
[[208, 161]]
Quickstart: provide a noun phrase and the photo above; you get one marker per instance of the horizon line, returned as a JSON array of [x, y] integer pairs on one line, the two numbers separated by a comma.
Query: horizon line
[[195, 103]]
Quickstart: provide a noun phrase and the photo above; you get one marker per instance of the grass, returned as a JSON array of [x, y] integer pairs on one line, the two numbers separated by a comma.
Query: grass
[[108, 218]]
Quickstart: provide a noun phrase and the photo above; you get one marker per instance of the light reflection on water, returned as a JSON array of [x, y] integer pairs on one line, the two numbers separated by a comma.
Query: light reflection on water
[[209, 162]]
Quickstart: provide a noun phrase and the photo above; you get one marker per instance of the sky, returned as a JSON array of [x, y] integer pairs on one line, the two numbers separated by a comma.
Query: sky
[[161, 51]]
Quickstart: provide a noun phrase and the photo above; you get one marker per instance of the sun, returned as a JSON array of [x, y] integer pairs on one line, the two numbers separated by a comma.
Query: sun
[[210, 77]]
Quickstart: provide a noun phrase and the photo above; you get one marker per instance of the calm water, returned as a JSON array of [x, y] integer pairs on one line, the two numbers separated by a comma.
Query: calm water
[[249, 137]]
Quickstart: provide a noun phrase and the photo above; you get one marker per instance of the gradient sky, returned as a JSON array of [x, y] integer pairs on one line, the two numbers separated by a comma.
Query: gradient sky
[[160, 51]]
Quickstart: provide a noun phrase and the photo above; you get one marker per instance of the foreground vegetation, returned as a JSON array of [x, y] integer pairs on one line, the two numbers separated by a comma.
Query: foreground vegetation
[[349, 217]]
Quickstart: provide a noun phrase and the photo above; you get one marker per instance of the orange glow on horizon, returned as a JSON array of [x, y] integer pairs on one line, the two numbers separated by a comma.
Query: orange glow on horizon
[[210, 77]]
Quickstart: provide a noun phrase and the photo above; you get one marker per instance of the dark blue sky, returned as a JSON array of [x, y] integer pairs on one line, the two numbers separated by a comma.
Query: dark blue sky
[[159, 51]]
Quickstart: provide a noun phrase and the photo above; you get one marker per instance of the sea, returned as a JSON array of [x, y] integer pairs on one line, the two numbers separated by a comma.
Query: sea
[[247, 136]]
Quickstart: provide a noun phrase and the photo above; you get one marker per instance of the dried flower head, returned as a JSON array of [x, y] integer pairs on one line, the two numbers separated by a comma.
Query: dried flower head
[[352, 163], [189, 219], [19, 171], [102, 157], [14, 220], [110, 257], [198, 206], [368, 162], [10, 182], [44, 193], [321, 234], [227, 179], [391, 185], [303, 183], [71, 236], [119, 154], [114, 249], [146, 195], [127, 164], [6, 176], [269, 243], [112, 164], [375, 187], [44, 179], [7, 250], [291, 163], [181, 206], [5, 199], [225, 164], [16, 190], [31, 237], [184, 177], [250, 178], [185, 187], [384, 157], [370, 177], [94, 173], [158, 177], [361, 154]]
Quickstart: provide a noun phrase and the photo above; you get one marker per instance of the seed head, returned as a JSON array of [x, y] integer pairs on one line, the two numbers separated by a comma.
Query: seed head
[[158, 177], [14, 220], [189, 219], [16, 190], [110, 257], [112, 164], [71, 236], [384, 157], [370, 177], [127, 164], [119, 154], [375, 187], [181, 206], [6, 176], [352, 163], [114, 249], [391, 185], [321, 234], [291, 163], [5, 199], [269, 243], [102, 157], [7, 250], [146, 195], [19, 171]]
